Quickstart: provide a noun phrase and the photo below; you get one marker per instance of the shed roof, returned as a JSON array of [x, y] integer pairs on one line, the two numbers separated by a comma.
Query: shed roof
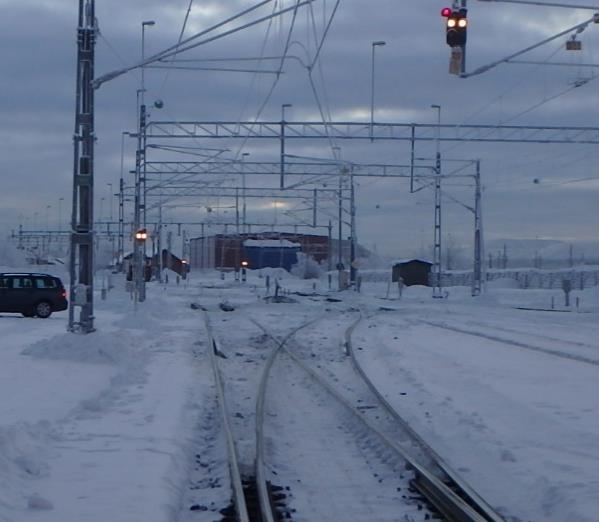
[[270, 243], [406, 261]]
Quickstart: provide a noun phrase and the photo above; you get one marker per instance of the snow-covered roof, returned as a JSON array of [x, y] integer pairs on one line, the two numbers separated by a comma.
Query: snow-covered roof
[[270, 243], [409, 260]]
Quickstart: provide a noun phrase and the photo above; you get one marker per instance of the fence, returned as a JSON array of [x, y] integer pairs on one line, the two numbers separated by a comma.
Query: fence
[[580, 278]]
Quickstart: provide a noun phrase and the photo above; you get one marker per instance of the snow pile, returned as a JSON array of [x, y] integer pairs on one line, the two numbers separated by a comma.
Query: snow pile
[[11, 257], [23, 457], [101, 348], [307, 267]]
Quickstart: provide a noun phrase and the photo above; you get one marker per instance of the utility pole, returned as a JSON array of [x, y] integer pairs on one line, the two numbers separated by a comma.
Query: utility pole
[[237, 211], [139, 247], [82, 222], [243, 204], [138, 253], [121, 231], [330, 246], [340, 227], [437, 290], [478, 253], [463, 64], [352, 206]]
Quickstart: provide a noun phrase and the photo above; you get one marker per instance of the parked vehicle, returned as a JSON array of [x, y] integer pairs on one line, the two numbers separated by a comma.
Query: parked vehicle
[[32, 294]]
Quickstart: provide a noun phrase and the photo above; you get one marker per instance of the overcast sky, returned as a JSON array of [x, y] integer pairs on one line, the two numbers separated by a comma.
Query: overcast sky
[[530, 191]]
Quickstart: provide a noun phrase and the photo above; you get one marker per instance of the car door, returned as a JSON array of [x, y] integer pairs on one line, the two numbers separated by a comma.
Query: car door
[[20, 294], [4, 293]]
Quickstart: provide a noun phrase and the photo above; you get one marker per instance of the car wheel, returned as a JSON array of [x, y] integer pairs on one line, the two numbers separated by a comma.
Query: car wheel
[[43, 309]]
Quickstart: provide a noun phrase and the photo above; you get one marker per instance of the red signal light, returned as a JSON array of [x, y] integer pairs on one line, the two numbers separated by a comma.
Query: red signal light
[[446, 12]]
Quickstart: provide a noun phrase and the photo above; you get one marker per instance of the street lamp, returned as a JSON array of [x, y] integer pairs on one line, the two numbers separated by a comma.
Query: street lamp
[[283, 107], [437, 245], [143, 54], [374, 45]]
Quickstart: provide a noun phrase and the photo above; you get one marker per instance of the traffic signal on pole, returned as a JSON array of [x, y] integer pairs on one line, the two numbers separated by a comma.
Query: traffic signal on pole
[[456, 26]]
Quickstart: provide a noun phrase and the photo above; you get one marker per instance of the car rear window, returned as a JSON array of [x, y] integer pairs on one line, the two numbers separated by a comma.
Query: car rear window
[[45, 282]]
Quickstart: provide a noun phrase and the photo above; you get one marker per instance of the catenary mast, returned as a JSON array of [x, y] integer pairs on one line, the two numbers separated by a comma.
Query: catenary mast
[[82, 233]]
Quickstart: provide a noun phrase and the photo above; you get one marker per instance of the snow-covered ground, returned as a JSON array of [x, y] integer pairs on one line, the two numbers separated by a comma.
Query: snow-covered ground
[[121, 424]]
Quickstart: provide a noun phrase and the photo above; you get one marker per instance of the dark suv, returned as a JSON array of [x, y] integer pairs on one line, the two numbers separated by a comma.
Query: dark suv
[[32, 294]]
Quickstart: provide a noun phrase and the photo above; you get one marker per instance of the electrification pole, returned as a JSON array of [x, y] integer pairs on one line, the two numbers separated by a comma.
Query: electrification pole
[[340, 231], [138, 248], [283, 107], [437, 292], [243, 202], [82, 221], [121, 233], [352, 206], [478, 242]]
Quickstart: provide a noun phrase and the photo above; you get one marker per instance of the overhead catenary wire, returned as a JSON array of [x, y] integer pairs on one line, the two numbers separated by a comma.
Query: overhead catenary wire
[[254, 78], [181, 33], [274, 84], [170, 52]]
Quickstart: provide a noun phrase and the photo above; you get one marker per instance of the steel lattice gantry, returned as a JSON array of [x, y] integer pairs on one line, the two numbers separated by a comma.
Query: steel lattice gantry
[[376, 131], [292, 168]]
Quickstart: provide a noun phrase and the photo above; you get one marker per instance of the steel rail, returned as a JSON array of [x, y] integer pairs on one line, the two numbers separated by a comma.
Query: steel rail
[[261, 481], [474, 498], [234, 471], [512, 342], [445, 500]]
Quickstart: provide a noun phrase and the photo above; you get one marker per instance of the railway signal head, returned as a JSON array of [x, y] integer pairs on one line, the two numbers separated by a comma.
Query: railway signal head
[[456, 26], [141, 235]]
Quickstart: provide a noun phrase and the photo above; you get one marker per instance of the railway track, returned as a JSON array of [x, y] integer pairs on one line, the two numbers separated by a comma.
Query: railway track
[[253, 498], [513, 342], [442, 487]]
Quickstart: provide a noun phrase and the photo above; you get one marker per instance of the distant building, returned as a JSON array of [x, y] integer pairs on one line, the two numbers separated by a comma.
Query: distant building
[[222, 251], [412, 272], [262, 253]]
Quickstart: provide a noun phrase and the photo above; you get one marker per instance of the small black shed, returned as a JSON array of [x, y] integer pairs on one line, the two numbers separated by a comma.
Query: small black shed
[[412, 272]]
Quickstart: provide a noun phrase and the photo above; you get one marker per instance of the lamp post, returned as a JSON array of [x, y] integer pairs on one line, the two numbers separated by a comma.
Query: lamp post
[[374, 45], [283, 107], [437, 292], [143, 55]]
